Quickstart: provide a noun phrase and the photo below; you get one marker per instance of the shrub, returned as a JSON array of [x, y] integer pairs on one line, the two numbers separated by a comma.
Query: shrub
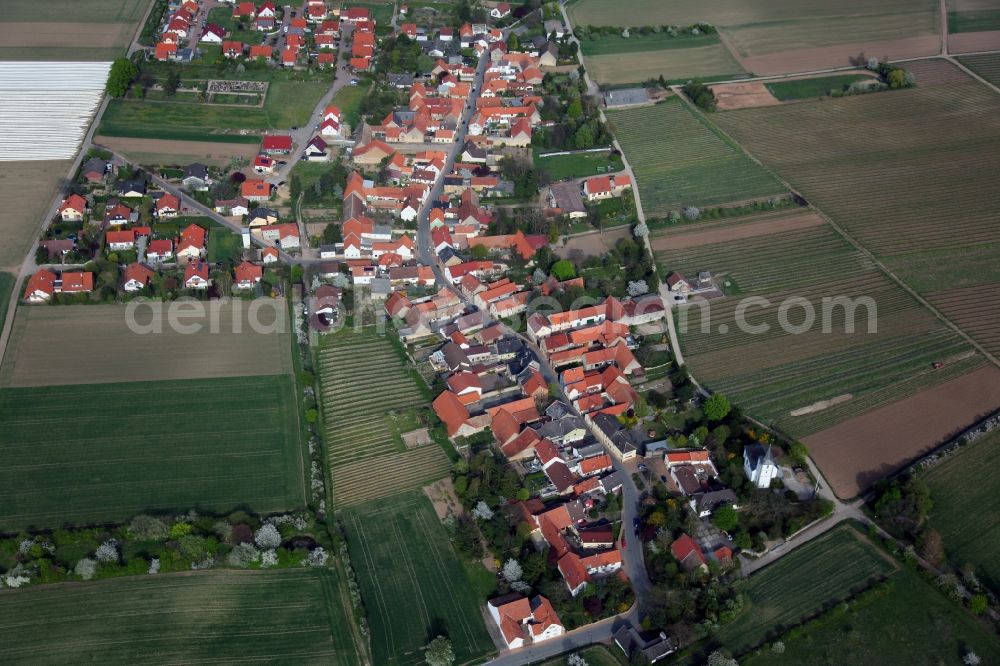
[[180, 529], [148, 528], [267, 537], [107, 552], [85, 568], [242, 555]]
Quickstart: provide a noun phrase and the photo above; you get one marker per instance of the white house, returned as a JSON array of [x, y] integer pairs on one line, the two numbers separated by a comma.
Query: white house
[[759, 466], [523, 621]]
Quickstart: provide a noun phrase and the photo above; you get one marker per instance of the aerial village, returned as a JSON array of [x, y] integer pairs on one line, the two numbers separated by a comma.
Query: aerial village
[[571, 399]]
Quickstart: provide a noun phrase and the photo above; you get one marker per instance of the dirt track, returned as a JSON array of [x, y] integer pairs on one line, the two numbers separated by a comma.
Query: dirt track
[[856, 453]]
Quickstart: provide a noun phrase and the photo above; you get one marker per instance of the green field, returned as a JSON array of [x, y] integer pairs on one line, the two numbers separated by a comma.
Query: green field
[[775, 371], [967, 539], [679, 160], [93, 11], [593, 45], [288, 104], [986, 66], [105, 452], [7, 284], [577, 165], [802, 583], [412, 582], [365, 420], [907, 623], [974, 21], [206, 617], [817, 87]]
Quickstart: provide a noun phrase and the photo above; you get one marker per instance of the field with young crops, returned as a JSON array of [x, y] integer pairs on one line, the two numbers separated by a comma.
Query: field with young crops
[[680, 160], [69, 30], [968, 539], [103, 453], [803, 583], [976, 310], [370, 398], [203, 617], [412, 583]]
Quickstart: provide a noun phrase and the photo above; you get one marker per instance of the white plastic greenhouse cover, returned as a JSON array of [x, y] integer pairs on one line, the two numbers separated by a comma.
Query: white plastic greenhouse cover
[[45, 107]]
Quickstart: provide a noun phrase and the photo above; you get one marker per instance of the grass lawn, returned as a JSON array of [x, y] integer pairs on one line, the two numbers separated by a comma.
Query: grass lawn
[[818, 87], [7, 284], [349, 100], [411, 581], [594, 655], [577, 165], [967, 538], [206, 617], [288, 104], [105, 452], [909, 623], [223, 244], [802, 583]]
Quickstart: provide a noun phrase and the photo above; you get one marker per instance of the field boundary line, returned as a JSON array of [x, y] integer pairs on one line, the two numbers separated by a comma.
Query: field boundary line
[[857, 245]]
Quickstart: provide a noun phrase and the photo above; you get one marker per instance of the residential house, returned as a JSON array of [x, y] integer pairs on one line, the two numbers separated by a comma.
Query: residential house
[[137, 276], [196, 275], [191, 242], [247, 275], [522, 621], [41, 287], [73, 208], [95, 170], [606, 187], [159, 250], [167, 206], [120, 240], [196, 177], [254, 189], [688, 553]]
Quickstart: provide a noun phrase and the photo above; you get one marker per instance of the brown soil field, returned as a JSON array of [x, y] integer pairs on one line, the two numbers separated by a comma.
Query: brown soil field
[[93, 344], [856, 453], [593, 243], [157, 151], [936, 72], [976, 310], [807, 59], [742, 96], [26, 190], [698, 238], [970, 42], [95, 35]]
